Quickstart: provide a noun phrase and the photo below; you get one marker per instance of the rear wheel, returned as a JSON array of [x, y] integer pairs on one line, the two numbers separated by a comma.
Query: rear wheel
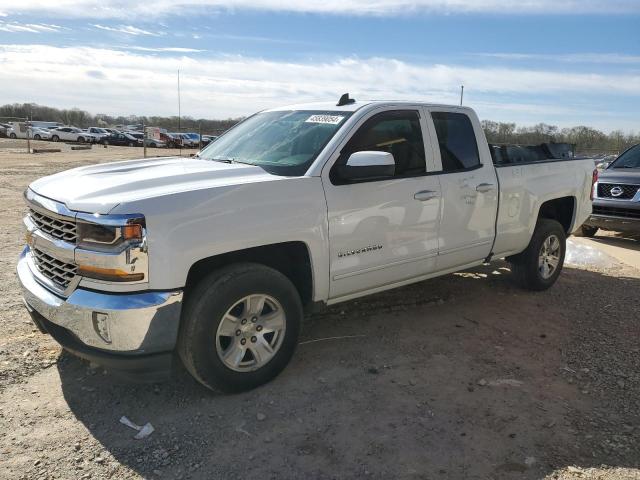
[[588, 231], [538, 267], [240, 327]]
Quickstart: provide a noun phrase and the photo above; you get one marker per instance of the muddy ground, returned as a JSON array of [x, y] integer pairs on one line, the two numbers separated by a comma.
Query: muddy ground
[[463, 377]]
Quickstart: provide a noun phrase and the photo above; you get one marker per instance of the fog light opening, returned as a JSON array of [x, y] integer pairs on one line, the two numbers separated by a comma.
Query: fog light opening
[[101, 326]]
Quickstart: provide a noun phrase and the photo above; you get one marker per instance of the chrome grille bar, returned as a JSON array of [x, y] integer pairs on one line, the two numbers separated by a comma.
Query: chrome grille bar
[[57, 271], [58, 228]]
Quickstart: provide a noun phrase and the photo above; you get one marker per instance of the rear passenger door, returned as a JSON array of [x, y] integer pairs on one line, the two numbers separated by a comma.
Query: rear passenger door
[[64, 134], [469, 188]]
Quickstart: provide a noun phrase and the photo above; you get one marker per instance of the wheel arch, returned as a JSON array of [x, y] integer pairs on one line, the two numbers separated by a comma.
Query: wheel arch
[[292, 259], [561, 209]]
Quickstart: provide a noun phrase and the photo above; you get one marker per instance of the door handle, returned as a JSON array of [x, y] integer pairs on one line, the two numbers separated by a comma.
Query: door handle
[[485, 187], [425, 195]]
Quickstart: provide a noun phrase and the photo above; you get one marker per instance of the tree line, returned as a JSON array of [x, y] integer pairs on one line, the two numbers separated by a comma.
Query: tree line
[[586, 139]]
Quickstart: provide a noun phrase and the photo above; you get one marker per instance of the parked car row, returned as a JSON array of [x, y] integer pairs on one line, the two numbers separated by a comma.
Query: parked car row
[[106, 136]]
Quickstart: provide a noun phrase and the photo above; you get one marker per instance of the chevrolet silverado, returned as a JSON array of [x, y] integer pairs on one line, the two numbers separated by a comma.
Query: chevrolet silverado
[[213, 259]]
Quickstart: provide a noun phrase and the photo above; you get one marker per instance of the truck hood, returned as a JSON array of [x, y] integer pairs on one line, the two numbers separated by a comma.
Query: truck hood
[[620, 175], [100, 188]]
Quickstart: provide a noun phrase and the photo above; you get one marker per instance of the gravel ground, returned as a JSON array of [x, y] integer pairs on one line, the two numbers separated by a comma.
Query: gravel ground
[[463, 377]]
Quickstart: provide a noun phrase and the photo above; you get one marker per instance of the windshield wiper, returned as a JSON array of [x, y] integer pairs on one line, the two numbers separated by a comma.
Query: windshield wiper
[[229, 160]]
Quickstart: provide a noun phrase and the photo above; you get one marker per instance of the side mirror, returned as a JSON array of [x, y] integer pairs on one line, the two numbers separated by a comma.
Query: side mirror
[[368, 165]]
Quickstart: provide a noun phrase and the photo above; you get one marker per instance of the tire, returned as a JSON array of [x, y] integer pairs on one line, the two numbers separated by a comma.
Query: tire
[[209, 312], [131, 144], [80, 139], [105, 142], [532, 268], [55, 138], [13, 136], [588, 231], [37, 137]]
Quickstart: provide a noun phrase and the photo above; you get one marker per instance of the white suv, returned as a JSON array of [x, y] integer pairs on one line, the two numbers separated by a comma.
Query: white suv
[[71, 134]]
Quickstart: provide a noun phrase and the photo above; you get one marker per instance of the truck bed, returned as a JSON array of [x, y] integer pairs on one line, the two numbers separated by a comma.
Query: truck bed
[[526, 185], [509, 154]]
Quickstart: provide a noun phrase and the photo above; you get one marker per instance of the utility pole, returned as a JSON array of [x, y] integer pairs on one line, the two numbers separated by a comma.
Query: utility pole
[[179, 113], [461, 94], [28, 127]]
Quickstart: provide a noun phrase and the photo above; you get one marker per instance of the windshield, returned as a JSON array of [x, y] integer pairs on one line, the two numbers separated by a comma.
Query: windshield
[[629, 159], [282, 142]]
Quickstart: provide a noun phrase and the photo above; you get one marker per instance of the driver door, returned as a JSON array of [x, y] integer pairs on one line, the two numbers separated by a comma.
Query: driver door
[[385, 230]]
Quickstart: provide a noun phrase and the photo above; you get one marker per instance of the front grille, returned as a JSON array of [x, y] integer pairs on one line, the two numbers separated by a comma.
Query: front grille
[[616, 212], [55, 227], [628, 191], [59, 272]]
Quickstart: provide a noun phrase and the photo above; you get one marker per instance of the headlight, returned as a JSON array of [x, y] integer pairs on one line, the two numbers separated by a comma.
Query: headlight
[[91, 236], [112, 248]]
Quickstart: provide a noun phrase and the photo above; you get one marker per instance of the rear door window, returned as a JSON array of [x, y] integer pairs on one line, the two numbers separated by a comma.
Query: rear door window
[[457, 141]]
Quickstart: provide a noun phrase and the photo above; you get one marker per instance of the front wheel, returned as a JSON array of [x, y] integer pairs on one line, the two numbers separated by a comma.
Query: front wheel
[[13, 136], [80, 139], [55, 138], [538, 267], [240, 327], [36, 137]]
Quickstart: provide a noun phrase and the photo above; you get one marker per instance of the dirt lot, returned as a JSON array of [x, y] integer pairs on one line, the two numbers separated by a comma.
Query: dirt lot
[[464, 377]]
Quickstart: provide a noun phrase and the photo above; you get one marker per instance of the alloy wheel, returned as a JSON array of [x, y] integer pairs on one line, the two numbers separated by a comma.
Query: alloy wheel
[[549, 256], [251, 333]]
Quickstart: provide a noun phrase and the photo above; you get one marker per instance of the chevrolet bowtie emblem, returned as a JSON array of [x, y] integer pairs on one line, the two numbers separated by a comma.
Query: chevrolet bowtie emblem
[[29, 239]]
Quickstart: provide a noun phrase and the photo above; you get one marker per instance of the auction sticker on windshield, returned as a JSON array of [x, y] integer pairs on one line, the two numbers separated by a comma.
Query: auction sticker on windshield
[[330, 119]]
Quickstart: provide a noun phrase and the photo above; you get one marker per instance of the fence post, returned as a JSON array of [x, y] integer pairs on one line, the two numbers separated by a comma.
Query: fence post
[[28, 139], [144, 139], [199, 136]]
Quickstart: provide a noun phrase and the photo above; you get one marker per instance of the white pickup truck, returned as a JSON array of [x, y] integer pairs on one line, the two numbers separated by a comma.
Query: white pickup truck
[[214, 258]]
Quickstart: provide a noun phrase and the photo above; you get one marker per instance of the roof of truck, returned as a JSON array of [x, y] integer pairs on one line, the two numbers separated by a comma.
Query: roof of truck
[[352, 107]]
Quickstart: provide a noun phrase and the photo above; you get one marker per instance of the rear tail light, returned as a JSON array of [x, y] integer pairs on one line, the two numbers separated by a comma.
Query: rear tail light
[[594, 180]]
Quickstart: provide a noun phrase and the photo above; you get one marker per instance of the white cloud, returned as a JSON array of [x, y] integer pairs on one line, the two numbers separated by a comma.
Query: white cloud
[[228, 86], [610, 58], [164, 49], [128, 30], [17, 27], [127, 9]]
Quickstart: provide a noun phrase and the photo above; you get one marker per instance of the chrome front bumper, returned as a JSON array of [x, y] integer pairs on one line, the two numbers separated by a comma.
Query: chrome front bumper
[[128, 323]]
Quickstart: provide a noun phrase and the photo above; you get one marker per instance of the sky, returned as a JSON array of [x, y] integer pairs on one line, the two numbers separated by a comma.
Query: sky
[[561, 62]]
